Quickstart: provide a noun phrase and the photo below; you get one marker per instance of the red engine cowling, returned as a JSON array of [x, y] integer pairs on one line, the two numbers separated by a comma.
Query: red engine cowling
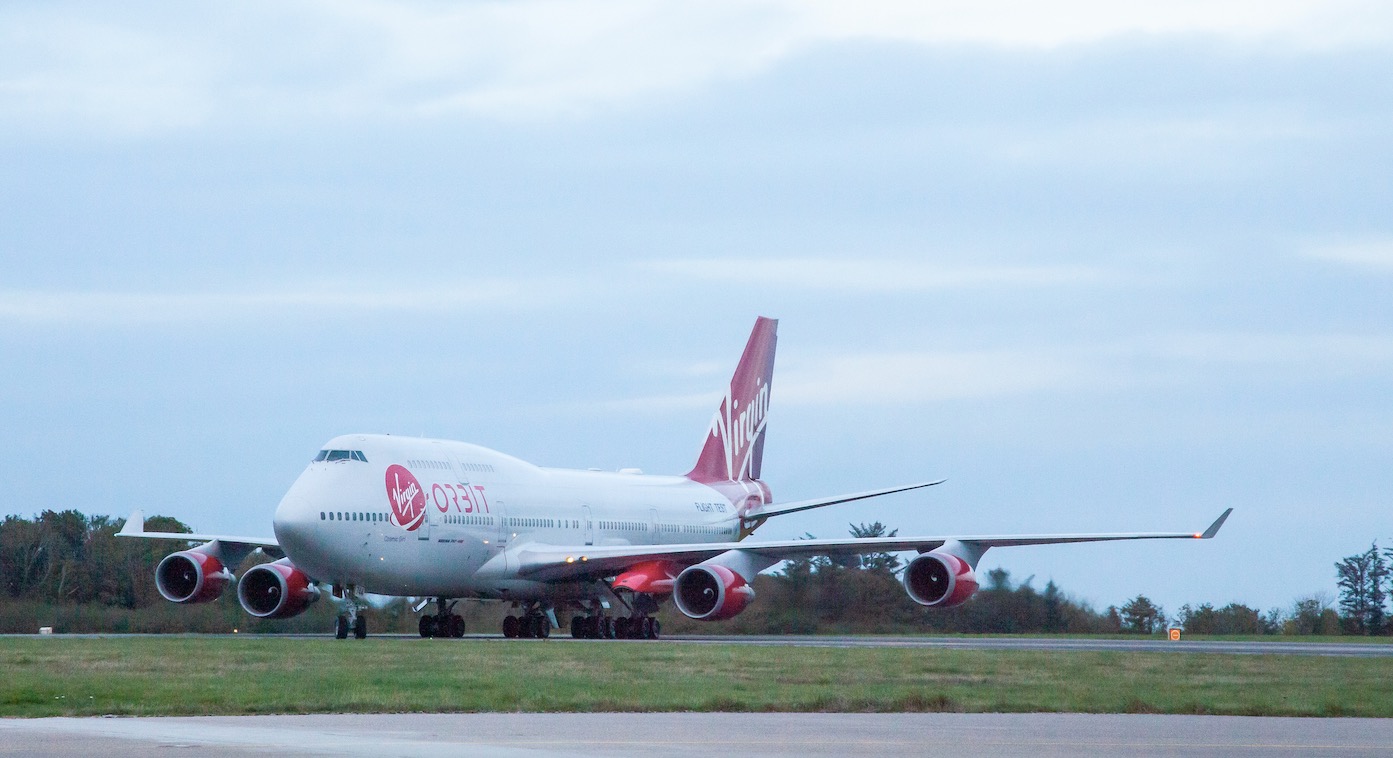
[[711, 593], [276, 590], [652, 577], [939, 580], [191, 576]]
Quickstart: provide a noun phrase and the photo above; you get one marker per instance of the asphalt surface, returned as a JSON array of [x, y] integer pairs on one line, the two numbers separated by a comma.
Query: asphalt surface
[[699, 734], [1051, 644], [1264, 647]]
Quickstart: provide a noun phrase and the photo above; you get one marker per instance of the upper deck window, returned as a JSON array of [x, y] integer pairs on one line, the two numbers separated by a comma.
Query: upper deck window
[[340, 455]]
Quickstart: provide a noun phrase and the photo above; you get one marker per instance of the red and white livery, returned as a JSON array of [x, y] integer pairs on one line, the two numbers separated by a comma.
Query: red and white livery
[[448, 520]]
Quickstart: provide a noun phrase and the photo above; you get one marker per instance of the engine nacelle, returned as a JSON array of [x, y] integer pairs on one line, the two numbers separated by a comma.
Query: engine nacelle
[[191, 576], [276, 590], [650, 577], [940, 580], [711, 592]]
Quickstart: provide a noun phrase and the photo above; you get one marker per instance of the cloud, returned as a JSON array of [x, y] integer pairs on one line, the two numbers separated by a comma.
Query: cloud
[[917, 377], [866, 276], [102, 309], [138, 69], [1375, 255]]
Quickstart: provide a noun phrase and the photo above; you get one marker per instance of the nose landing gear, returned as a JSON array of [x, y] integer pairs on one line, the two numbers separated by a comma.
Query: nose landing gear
[[351, 620]]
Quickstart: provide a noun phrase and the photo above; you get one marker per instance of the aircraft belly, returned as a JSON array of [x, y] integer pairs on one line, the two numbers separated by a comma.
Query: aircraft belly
[[443, 566]]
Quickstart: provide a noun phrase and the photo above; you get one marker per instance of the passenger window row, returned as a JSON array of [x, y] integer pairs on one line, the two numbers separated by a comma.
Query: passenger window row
[[352, 516], [469, 520]]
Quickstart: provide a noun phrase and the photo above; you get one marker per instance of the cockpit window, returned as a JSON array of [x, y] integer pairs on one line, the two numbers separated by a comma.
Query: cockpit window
[[340, 455]]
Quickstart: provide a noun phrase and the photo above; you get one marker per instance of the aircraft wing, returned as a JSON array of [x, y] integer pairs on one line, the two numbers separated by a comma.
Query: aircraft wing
[[779, 509], [552, 562], [135, 527]]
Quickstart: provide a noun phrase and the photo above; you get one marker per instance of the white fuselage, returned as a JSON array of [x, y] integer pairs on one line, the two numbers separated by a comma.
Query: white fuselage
[[449, 527]]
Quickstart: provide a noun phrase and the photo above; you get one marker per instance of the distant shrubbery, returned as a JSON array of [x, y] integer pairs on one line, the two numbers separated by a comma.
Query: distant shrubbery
[[71, 572]]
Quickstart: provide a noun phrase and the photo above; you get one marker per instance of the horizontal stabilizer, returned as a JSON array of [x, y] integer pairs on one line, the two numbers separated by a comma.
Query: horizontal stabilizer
[[779, 509]]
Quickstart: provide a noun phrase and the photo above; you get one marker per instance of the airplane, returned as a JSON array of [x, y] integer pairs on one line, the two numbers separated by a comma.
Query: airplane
[[381, 515]]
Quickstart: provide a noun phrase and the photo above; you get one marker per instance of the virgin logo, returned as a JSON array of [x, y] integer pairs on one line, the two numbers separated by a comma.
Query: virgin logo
[[406, 497], [738, 431]]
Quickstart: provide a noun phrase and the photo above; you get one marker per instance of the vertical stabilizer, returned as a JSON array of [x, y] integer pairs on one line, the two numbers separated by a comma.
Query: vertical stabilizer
[[734, 443]]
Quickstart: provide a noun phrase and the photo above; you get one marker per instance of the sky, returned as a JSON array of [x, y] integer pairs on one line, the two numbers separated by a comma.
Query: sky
[[1105, 266]]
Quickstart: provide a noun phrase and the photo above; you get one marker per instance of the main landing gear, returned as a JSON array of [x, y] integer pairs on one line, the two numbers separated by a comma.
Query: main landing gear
[[445, 622], [601, 627], [532, 624], [352, 619]]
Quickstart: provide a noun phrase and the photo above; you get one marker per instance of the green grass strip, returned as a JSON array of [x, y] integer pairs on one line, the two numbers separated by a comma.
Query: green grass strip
[[228, 676]]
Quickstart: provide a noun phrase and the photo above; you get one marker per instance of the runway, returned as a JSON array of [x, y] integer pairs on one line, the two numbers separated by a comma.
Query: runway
[[758, 735], [1064, 644], [1275, 646]]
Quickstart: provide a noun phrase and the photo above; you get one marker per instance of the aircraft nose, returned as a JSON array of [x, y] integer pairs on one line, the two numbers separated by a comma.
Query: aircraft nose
[[295, 519]]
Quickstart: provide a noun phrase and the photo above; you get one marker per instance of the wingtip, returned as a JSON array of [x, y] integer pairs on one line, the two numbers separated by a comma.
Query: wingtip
[[1214, 527], [135, 524]]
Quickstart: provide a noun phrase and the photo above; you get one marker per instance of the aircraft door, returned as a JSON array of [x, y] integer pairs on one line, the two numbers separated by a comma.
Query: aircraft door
[[588, 525], [653, 526], [432, 520]]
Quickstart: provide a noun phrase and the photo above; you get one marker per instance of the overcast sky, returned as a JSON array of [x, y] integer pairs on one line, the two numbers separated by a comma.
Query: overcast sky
[[1106, 266]]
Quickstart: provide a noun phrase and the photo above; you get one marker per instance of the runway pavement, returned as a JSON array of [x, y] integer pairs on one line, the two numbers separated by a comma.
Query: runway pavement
[[1275, 646], [699, 734], [1060, 644]]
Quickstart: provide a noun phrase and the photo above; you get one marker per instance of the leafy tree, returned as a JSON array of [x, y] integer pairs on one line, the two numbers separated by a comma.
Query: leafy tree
[[1234, 618], [1361, 580], [1053, 602], [1141, 616], [1312, 614], [883, 563]]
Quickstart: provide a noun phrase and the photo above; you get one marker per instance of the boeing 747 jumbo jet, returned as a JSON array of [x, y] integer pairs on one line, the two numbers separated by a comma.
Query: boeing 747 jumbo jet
[[448, 521]]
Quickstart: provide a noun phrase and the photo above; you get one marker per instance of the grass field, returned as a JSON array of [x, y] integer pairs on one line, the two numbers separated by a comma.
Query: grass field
[[225, 676]]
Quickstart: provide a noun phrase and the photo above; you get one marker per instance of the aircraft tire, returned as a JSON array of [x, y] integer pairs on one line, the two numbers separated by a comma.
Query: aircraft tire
[[341, 628], [360, 628], [577, 627], [427, 626], [456, 626], [511, 627]]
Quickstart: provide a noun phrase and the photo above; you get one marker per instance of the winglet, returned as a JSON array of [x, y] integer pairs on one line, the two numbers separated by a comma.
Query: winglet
[[1214, 527], [135, 524]]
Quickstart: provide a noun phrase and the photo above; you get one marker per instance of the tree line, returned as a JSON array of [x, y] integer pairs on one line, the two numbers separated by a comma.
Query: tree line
[[71, 571]]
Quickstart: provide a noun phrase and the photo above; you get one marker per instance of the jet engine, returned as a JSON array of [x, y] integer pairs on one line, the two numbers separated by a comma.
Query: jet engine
[[711, 592], [191, 576], [276, 590], [939, 580]]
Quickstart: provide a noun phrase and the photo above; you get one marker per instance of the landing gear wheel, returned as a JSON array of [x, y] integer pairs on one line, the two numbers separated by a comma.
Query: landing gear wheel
[[360, 628], [456, 626], [657, 629], [648, 628], [609, 628], [512, 627], [543, 627], [578, 627], [621, 627], [341, 628], [427, 626]]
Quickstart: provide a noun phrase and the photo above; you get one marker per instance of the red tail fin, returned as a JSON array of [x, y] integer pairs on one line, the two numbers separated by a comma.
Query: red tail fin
[[735, 440]]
